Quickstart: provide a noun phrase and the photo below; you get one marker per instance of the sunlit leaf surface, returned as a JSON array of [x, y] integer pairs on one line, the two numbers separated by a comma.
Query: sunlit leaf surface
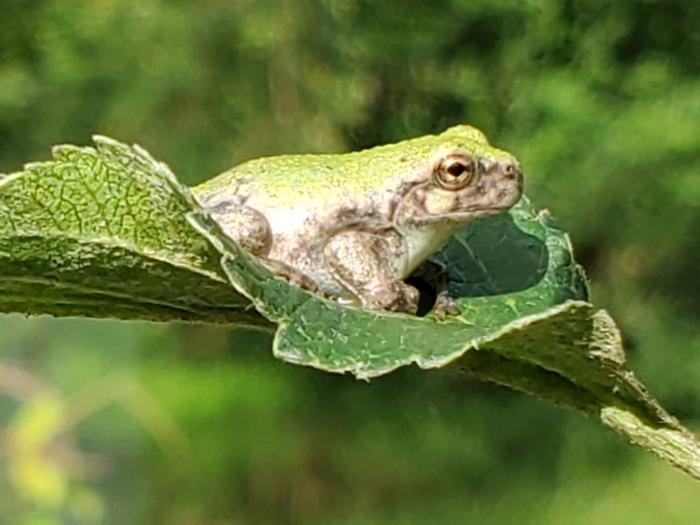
[[109, 232]]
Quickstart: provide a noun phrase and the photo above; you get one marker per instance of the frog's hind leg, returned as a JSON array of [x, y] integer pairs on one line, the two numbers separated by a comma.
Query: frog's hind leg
[[366, 263], [291, 274], [251, 231], [245, 225]]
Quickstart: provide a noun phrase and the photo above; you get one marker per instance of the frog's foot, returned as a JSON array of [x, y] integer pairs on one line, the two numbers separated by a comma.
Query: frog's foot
[[405, 300], [432, 279], [444, 306]]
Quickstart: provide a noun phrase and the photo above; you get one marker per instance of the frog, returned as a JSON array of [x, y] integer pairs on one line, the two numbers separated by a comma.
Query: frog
[[352, 227]]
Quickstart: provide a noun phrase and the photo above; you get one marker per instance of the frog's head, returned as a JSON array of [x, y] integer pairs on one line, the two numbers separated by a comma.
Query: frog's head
[[462, 177]]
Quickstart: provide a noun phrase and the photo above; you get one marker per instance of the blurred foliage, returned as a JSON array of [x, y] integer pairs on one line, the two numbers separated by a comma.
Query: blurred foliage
[[600, 101]]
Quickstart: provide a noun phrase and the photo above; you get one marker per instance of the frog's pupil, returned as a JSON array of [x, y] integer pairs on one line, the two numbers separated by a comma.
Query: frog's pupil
[[456, 169]]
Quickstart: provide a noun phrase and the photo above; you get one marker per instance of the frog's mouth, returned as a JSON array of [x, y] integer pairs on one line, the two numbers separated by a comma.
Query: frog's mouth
[[467, 215], [464, 205]]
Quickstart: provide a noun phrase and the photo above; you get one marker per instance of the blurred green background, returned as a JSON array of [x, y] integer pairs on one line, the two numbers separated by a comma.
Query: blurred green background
[[117, 422]]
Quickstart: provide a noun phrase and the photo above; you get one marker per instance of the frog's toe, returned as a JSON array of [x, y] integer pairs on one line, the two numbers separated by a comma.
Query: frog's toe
[[406, 299], [444, 306]]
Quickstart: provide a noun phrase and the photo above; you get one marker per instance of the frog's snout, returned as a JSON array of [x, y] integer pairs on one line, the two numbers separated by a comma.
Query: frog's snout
[[511, 171], [508, 170], [501, 182]]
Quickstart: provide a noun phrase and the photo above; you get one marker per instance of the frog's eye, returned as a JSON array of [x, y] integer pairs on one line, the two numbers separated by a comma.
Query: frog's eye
[[455, 171]]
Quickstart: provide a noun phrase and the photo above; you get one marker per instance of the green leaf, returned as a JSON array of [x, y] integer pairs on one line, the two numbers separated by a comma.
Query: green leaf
[[108, 231], [101, 232], [533, 332]]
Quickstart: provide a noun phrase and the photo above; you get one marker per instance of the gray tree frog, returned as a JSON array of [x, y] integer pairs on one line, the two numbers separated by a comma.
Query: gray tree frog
[[353, 226]]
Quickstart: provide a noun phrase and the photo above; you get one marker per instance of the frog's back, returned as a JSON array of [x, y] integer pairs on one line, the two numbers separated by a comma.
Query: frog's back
[[306, 178], [298, 179], [309, 179]]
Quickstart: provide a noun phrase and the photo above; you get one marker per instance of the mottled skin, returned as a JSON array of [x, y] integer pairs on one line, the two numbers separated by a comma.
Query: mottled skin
[[352, 226]]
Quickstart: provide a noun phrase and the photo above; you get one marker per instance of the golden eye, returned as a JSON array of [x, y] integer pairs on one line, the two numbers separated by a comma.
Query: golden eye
[[455, 171]]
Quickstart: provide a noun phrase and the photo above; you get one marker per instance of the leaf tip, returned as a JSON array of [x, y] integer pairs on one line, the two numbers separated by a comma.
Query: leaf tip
[[104, 140], [110, 147], [68, 152]]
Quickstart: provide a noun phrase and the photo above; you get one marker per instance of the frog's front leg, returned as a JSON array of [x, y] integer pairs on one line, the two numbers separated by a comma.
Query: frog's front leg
[[368, 265]]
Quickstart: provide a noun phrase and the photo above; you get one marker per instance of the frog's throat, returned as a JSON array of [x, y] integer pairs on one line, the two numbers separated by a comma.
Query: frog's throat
[[423, 240]]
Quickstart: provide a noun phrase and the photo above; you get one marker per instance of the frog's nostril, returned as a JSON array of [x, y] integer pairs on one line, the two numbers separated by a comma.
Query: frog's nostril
[[511, 172]]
